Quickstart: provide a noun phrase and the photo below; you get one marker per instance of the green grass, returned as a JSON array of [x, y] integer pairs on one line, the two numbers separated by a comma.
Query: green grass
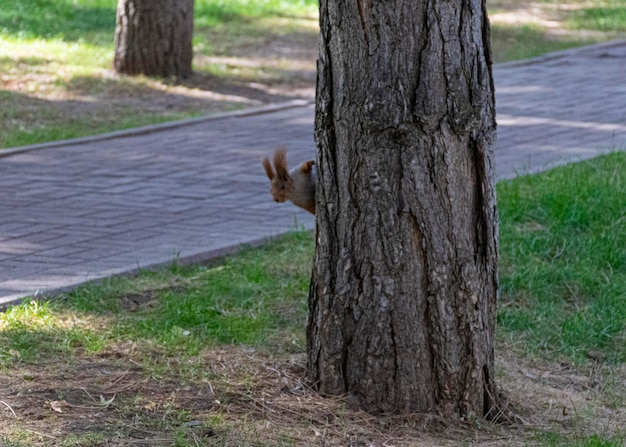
[[526, 41], [68, 20], [557, 440], [563, 294], [94, 20], [215, 12], [609, 15], [255, 298], [563, 259], [37, 120]]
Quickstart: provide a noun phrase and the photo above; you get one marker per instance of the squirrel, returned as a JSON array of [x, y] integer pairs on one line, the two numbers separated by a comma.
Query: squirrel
[[297, 185]]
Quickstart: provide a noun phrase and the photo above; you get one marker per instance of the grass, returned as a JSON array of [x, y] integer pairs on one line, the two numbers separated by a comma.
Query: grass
[[57, 20], [608, 15], [161, 349], [563, 265], [556, 26], [556, 440], [35, 120], [94, 20], [526, 41], [256, 298], [190, 352]]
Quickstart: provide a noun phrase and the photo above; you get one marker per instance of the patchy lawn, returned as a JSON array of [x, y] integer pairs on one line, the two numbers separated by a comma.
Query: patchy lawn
[[213, 355]]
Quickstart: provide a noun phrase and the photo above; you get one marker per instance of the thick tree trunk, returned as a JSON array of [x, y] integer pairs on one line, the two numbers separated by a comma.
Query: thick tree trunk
[[403, 292], [153, 37]]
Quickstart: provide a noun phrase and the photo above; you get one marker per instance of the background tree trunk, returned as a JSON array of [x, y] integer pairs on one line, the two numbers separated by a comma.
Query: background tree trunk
[[403, 292], [153, 37]]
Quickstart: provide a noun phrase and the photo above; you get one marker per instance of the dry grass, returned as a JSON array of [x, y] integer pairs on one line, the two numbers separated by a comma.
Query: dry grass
[[563, 397], [239, 396]]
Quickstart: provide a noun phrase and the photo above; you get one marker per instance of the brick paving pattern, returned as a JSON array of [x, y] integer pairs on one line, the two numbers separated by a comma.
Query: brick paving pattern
[[82, 210]]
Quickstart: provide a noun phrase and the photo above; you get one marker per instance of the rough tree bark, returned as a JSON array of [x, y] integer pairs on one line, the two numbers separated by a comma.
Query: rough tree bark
[[153, 37], [403, 293]]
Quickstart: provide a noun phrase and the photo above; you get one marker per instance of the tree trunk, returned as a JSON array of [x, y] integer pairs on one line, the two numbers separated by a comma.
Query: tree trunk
[[153, 37], [403, 292]]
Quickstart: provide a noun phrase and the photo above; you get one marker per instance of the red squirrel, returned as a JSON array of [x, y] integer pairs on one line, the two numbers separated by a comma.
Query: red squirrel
[[297, 186]]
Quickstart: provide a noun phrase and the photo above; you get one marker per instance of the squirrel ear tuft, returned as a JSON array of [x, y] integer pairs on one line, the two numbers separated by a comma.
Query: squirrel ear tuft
[[268, 168], [280, 163], [307, 166]]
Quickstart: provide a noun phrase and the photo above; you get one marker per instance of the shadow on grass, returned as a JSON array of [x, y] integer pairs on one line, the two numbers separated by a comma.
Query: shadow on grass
[[29, 120], [121, 103], [218, 88], [104, 399], [148, 358]]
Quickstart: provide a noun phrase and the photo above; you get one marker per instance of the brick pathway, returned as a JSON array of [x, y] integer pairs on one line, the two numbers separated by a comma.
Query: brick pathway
[[77, 211]]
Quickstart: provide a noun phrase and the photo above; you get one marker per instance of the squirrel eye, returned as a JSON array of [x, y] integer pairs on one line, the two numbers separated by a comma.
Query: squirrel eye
[[282, 186]]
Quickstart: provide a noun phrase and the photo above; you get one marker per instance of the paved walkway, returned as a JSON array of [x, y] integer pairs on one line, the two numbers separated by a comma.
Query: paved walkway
[[79, 211]]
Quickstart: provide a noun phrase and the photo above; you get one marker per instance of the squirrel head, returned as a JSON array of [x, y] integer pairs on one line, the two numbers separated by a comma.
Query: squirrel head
[[281, 183]]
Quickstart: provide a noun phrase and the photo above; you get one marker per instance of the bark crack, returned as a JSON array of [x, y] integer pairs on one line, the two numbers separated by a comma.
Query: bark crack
[[481, 226], [364, 10], [396, 365]]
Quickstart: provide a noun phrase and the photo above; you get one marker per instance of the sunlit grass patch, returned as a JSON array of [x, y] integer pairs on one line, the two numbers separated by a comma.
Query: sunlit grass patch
[[42, 68], [216, 12], [607, 15], [75, 56], [33, 329], [255, 298], [248, 299], [510, 43]]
